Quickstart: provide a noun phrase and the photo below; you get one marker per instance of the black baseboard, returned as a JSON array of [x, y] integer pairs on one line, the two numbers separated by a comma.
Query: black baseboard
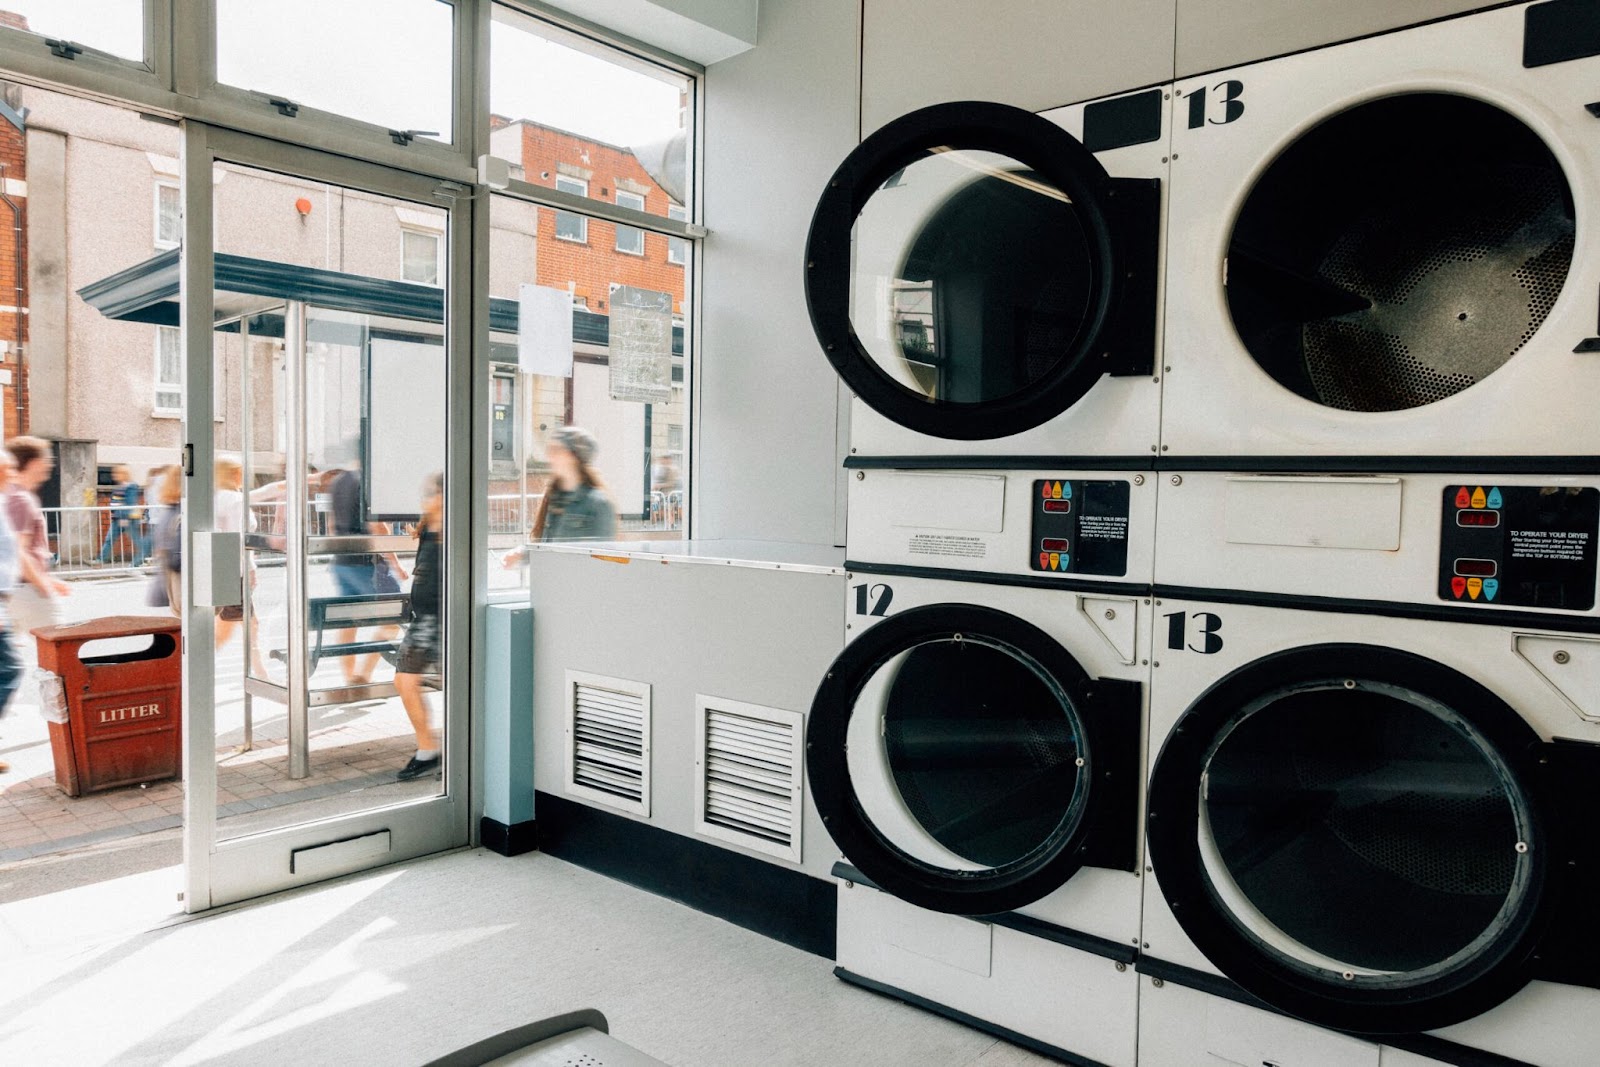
[[973, 1021], [508, 840], [783, 904]]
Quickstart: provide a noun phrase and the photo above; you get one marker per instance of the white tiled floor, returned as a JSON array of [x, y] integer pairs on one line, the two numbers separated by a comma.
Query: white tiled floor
[[400, 965]]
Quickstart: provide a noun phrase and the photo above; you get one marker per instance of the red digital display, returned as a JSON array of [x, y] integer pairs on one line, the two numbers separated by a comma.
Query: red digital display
[[1054, 544], [1060, 507], [1477, 568], [1477, 518]]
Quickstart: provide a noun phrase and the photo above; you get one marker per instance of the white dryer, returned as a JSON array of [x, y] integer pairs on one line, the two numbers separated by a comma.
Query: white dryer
[[986, 281], [1370, 778], [1385, 251], [976, 751]]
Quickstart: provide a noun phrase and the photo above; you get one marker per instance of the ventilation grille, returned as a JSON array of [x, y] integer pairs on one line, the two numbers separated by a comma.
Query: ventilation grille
[[748, 781], [608, 741]]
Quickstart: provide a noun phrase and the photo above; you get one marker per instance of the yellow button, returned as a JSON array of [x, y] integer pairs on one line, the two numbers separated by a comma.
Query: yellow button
[[1474, 587], [1479, 497]]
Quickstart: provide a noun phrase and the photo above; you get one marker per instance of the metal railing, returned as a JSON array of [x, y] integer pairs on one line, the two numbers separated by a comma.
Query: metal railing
[[116, 539]]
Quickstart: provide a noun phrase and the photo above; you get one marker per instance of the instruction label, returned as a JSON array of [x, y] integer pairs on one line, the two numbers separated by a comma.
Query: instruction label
[[948, 545], [1519, 545]]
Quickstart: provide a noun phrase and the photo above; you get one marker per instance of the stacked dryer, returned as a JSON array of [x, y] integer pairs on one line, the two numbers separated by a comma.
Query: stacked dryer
[[987, 283], [1374, 730]]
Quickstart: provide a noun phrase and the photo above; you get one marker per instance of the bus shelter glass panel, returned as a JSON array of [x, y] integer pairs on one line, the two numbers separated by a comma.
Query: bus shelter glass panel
[[114, 26], [330, 450], [333, 58]]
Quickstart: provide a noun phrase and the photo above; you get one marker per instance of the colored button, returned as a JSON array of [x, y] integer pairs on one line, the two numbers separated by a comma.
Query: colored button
[[1491, 586], [1055, 490], [1044, 490], [1458, 586], [1044, 561], [1479, 498], [1066, 490], [1463, 498], [1494, 498], [1055, 561], [1474, 587]]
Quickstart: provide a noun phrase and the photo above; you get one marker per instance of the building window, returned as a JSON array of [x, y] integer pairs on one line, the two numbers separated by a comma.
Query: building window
[[169, 371], [421, 257], [630, 239], [571, 226], [169, 215], [677, 247]]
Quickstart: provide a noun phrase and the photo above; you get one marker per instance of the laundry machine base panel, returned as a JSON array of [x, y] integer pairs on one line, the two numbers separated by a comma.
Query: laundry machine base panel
[[1063, 1001]]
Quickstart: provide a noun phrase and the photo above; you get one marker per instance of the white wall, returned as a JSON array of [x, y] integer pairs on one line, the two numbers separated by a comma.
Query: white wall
[[778, 120]]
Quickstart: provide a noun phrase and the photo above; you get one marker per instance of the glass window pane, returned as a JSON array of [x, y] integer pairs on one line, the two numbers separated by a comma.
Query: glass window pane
[[630, 239], [115, 26], [420, 255], [331, 57], [563, 104], [677, 247], [169, 215]]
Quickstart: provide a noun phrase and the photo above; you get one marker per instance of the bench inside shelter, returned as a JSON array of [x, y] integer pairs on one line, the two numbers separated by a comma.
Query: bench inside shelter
[[324, 613]]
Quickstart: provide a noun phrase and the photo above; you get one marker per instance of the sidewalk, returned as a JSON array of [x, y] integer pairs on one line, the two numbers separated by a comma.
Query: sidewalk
[[355, 751]]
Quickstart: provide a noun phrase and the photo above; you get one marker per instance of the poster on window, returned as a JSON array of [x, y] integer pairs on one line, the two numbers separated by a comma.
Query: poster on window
[[544, 331], [641, 345]]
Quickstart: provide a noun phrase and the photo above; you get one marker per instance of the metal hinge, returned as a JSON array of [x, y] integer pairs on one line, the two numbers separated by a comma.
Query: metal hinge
[[287, 108], [63, 49], [405, 137]]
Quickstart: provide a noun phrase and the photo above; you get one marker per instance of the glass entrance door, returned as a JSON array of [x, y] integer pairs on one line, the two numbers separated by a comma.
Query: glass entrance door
[[325, 675]]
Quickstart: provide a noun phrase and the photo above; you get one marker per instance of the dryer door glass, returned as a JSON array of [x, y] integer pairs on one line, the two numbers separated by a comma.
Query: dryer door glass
[[951, 750], [970, 277], [982, 750], [1362, 828], [972, 271]]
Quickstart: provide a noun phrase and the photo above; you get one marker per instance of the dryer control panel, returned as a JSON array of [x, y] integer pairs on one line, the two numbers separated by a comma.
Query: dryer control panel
[[1080, 526], [1519, 545]]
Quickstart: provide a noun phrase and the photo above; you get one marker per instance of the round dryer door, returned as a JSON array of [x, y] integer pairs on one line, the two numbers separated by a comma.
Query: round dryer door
[[952, 751], [962, 270], [1351, 833]]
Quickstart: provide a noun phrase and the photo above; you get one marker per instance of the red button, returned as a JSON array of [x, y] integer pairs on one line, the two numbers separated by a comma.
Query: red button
[[1458, 586], [1463, 498], [1044, 561]]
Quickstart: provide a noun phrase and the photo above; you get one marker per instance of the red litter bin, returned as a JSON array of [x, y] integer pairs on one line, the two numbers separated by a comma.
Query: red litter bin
[[115, 718]]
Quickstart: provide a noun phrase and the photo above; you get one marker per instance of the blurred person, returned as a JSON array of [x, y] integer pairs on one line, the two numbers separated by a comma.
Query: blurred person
[[574, 506], [359, 573], [37, 602], [231, 516], [10, 569], [127, 517], [166, 542], [419, 649]]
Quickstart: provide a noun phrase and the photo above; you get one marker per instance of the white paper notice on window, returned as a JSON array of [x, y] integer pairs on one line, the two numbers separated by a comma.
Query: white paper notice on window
[[544, 331], [641, 345]]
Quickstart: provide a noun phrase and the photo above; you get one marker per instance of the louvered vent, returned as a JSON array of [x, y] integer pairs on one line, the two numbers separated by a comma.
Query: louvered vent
[[608, 741], [748, 780]]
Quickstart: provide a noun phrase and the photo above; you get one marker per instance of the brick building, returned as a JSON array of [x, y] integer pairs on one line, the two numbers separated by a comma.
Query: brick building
[[13, 252]]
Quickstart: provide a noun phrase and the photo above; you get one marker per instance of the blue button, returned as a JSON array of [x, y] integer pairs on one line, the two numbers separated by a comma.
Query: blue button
[[1494, 498], [1491, 586], [1066, 490]]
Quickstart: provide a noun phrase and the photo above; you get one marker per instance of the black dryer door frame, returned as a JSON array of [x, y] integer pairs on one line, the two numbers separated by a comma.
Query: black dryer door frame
[[1120, 222], [1105, 832]]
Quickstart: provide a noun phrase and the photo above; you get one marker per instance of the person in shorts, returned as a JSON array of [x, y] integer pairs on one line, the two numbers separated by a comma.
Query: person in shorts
[[419, 653]]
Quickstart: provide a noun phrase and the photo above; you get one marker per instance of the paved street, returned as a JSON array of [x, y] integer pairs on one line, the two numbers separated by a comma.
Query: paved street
[[356, 749]]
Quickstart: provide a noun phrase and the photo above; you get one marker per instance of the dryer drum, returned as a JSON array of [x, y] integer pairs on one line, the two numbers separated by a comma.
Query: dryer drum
[[1355, 836], [1400, 252]]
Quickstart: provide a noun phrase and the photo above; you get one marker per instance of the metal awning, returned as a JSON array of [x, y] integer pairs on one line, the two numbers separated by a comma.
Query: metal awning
[[148, 292]]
